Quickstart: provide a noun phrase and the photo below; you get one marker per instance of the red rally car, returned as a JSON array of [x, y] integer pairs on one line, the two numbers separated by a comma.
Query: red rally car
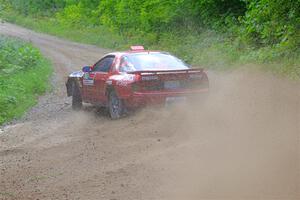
[[131, 79]]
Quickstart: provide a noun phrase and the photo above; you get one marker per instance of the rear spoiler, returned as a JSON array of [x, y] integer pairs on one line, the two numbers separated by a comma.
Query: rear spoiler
[[181, 71]]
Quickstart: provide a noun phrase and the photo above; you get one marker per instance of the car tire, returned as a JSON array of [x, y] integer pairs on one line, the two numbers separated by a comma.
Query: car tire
[[115, 106], [76, 97]]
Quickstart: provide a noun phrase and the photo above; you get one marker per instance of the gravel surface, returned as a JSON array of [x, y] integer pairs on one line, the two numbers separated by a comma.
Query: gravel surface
[[242, 143]]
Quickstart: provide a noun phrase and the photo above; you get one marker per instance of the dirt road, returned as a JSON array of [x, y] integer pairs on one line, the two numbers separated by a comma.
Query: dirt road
[[243, 143]]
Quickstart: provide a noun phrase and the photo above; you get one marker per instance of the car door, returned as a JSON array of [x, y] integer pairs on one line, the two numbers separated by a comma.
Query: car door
[[100, 73], [87, 86]]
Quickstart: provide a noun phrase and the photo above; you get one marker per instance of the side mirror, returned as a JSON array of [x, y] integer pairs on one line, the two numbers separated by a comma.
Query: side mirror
[[86, 69]]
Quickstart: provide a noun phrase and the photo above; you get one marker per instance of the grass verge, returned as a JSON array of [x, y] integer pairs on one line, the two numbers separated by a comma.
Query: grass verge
[[24, 75]]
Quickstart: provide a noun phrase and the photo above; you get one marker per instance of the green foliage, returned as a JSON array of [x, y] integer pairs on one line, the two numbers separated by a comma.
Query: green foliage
[[36, 7], [24, 74], [16, 56], [217, 12], [273, 22], [128, 16], [213, 33], [79, 13], [138, 15], [4, 6]]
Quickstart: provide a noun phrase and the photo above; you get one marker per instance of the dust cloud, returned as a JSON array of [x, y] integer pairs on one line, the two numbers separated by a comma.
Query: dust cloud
[[242, 142]]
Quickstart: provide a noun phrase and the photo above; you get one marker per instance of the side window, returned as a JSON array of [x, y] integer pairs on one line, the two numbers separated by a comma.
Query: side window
[[104, 65], [126, 65]]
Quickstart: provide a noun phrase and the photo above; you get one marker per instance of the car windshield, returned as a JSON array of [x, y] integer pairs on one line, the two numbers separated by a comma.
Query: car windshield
[[151, 62]]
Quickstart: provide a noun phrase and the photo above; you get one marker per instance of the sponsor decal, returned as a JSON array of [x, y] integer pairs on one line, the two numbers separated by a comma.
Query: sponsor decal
[[124, 79], [87, 79]]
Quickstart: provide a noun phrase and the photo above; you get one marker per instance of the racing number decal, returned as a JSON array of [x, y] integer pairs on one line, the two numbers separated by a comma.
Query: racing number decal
[[87, 79]]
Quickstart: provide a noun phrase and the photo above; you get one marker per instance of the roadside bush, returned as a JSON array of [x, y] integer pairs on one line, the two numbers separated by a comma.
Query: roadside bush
[[17, 56], [274, 23], [24, 74], [37, 7]]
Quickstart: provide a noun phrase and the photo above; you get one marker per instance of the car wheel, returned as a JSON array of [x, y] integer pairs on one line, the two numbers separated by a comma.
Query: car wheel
[[76, 97], [115, 106]]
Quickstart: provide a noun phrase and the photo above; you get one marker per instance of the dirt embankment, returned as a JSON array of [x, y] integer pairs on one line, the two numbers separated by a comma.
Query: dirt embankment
[[242, 143]]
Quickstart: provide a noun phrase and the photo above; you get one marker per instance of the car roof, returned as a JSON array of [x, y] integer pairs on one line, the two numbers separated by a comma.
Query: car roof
[[122, 53]]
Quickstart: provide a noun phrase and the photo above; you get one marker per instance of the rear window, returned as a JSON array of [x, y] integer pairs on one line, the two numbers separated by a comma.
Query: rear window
[[151, 62]]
